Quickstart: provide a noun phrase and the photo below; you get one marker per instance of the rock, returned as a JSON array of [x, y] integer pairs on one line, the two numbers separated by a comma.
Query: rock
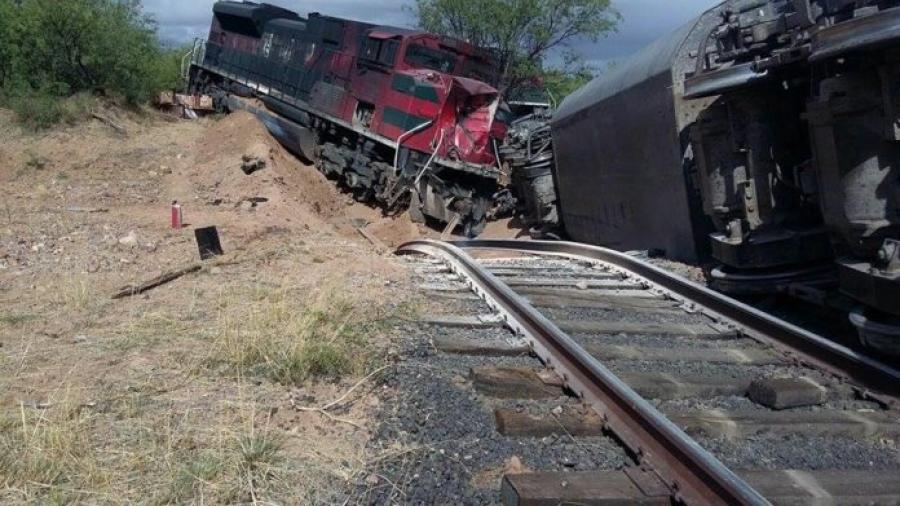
[[581, 285], [372, 480], [783, 393], [514, 466], [251, 164], [246, 205], [129, 240], [81, 338]]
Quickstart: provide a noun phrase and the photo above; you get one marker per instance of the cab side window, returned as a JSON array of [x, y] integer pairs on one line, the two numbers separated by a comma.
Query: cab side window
[[383, 51]]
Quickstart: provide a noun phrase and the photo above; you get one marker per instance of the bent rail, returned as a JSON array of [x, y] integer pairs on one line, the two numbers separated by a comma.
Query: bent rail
[[693, 475], [879, 380]]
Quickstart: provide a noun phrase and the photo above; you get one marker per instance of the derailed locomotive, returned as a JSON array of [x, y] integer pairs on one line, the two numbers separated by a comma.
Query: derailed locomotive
[[765, 134], [402, 117]]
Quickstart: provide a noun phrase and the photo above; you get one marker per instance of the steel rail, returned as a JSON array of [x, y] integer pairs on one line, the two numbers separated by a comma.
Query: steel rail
[[693, 475], [877, 379]]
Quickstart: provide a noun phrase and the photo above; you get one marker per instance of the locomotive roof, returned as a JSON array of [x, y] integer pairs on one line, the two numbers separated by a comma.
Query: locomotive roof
[[258, 14], [393, 30], [298, 24]]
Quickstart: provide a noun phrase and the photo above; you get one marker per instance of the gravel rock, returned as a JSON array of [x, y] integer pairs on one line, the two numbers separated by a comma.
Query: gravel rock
[[130, 240]]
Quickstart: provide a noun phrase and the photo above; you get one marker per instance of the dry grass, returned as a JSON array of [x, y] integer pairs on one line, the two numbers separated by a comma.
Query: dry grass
[[185, 394], [74, 293], [130, 450], [290, 336], [141, 437]]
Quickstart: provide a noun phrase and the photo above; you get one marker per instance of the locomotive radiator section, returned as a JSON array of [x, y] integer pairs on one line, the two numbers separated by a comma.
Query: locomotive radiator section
[[626, 172], [798, 153]]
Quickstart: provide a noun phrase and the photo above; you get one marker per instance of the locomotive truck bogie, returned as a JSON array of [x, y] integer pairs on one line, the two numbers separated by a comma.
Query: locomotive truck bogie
[[828, 69]]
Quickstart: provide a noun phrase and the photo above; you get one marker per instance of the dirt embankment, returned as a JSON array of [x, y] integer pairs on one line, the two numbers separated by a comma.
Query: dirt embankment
[[187, 393]]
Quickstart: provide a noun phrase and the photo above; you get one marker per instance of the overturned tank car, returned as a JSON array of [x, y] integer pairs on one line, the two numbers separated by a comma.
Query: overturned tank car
[[765, 134]]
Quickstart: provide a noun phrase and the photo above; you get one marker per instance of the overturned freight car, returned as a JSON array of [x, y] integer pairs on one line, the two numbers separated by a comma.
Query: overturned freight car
[[764, 134], [625, 171]]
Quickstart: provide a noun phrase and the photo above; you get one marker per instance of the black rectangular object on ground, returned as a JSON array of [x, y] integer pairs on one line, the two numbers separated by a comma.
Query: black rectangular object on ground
[[208, 242]]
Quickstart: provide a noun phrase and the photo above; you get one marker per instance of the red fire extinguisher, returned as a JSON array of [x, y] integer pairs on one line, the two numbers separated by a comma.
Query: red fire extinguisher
[[177, 216]]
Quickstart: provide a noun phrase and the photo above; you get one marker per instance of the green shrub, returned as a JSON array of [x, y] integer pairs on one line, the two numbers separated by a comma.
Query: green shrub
[[40, 109], [78, 48]]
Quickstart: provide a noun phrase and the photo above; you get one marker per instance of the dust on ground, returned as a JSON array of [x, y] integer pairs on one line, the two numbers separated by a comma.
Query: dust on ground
[[188, 392]]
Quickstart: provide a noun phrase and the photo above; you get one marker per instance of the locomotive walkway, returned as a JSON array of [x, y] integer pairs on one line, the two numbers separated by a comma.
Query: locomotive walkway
[[688, 382]]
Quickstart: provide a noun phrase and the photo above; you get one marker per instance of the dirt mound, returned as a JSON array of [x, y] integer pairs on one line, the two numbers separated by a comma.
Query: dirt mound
[[239, 164]]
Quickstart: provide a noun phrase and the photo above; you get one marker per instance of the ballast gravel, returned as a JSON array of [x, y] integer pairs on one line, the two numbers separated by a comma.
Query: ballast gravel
[[436, 441]]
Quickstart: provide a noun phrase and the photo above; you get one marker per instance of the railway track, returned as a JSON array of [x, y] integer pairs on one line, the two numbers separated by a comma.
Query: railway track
[[712, 401]]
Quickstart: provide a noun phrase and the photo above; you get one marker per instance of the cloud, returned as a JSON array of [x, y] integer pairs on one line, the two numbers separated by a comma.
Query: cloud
[[643, 20]]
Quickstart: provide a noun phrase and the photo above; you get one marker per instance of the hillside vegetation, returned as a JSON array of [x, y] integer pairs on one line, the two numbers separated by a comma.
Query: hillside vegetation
[[57, 57]]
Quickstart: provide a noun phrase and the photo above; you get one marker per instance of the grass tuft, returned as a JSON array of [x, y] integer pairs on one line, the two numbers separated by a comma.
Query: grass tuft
[[15, 319], [48, 449], [291, 341]]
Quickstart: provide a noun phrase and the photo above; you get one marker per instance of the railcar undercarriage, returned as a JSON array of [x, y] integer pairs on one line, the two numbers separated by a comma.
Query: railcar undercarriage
[[799, 154]]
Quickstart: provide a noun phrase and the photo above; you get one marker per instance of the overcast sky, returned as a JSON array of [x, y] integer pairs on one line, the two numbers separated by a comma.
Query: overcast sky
[[644, 20]]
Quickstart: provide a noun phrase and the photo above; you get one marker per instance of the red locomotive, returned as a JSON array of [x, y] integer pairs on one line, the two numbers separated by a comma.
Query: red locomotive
[[400, 116]]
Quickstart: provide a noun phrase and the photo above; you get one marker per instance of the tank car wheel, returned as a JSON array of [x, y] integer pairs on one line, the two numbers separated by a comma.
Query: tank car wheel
[[877, 333]]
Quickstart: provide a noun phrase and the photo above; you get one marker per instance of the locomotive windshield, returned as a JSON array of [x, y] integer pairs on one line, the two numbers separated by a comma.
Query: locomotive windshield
[[482, 71], [418, 55]]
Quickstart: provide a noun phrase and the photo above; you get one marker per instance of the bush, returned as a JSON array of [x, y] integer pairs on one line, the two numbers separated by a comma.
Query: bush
[[94, 47], [38, 109]]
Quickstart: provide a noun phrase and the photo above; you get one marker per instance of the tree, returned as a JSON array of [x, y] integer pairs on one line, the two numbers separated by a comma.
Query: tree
[[71, 46], [523, 32], [51, 50]]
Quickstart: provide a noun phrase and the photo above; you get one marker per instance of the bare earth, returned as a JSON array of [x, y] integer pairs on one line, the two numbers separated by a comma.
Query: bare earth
[[189, 392]]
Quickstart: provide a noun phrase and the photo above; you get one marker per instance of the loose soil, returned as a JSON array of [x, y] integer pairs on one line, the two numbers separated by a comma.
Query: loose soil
[[189, 392]]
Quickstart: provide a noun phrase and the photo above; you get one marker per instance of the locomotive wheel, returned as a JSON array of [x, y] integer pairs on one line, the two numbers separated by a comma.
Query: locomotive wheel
[[415, 207], [752, 282]]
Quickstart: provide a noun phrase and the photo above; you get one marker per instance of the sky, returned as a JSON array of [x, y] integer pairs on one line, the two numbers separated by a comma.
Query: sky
[[644, 20]]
